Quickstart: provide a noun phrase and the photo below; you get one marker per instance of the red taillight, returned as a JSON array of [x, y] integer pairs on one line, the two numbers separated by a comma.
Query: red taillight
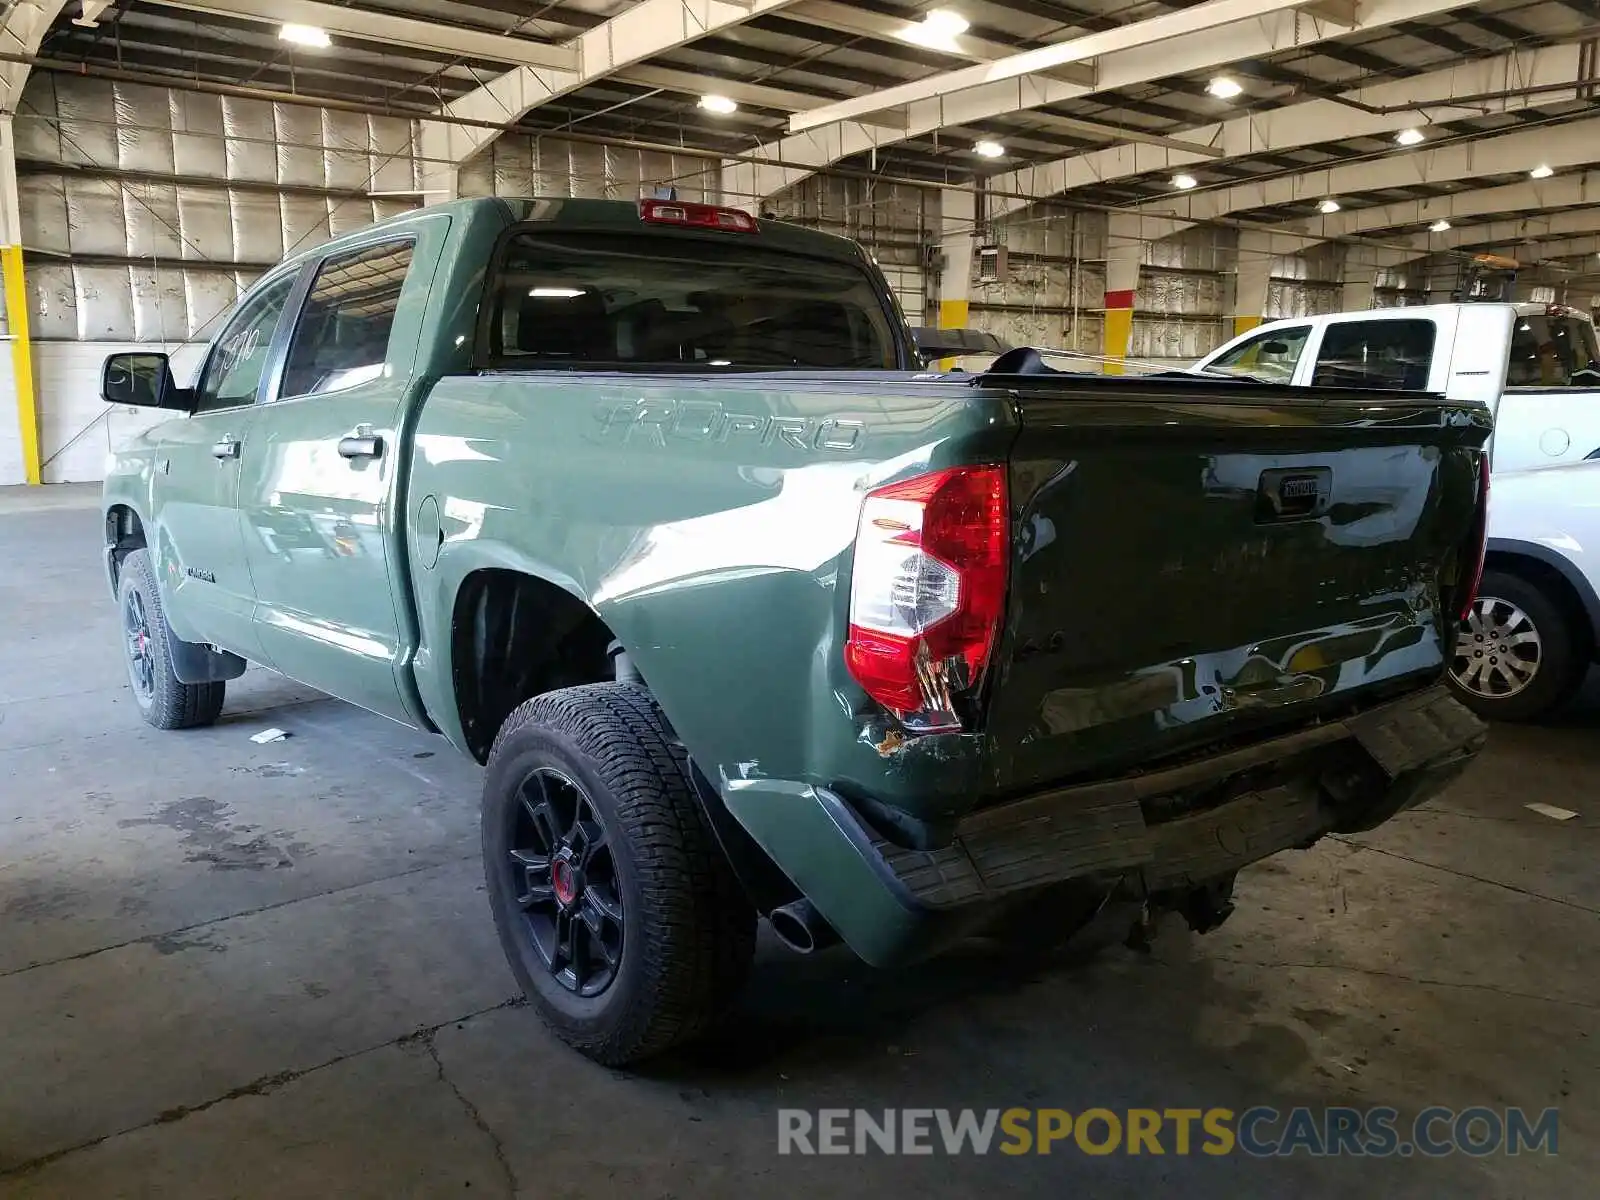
[[696, 216], [1478, 540], [928, 590]]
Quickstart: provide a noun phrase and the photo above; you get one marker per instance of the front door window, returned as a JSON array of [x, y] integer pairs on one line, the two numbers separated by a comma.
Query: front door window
[[238, 360]]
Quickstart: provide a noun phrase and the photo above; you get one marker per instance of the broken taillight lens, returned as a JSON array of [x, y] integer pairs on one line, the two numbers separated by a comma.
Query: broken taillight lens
[[928, 591], [1477, 543]]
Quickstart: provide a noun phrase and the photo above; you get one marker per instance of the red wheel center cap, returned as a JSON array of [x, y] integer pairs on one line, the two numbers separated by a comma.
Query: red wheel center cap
[[564, 880]]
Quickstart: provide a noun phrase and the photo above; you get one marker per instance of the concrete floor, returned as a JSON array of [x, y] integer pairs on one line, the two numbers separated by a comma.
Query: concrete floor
[[239, 970]]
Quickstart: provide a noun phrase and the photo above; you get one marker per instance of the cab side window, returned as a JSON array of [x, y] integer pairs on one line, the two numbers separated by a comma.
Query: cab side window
[[342, 338], [1269, 356], [1389, 355], [239, 358], [1553, 351]]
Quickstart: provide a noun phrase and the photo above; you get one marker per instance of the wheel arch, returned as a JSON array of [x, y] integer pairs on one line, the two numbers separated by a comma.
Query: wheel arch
[[124, 533], [513, 634], [1552, 571]]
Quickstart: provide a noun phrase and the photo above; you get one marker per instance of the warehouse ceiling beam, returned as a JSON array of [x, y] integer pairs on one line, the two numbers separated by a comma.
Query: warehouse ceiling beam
[[1511, 233], [1123, 133], [1460, 208], [386, 28], [845, 18], [1581, 243], [1080, 50], [647, 29], [1586, 245], [1318, 121], [1259, 34], [1557, 147], [22, 32], [693, 83], [90, 12]]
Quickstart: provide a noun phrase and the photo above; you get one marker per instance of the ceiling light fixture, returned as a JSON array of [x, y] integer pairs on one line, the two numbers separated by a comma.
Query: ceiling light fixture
[[1184, 182], [720, 105], [1542, 171], [989, 149], [305, 35], [1439, 226], [1409, 137], [1224, 88], [555, 293], [938, 30], [1328, 207]]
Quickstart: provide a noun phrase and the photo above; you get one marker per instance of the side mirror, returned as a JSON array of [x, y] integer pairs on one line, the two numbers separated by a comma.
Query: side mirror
[[1274, 347], [143, 380]]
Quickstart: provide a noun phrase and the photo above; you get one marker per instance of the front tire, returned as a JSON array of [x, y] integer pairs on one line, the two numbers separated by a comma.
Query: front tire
[[619, 916], [1518, 656], [164, 700]]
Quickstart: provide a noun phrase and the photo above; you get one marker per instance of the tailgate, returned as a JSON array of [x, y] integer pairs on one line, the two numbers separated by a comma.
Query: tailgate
[[1189, 570]]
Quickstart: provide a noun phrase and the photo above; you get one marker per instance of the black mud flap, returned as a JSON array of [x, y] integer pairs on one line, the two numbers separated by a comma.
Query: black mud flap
[[194, 663]]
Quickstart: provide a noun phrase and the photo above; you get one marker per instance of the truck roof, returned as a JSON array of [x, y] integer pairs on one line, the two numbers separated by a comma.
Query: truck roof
[[601, 216], [1424, 311]]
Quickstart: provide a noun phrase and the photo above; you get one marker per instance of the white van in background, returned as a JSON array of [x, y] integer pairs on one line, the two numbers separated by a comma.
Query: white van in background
[[1536, 628]]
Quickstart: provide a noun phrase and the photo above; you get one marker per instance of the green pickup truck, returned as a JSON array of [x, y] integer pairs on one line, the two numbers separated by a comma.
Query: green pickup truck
[[649, 508]]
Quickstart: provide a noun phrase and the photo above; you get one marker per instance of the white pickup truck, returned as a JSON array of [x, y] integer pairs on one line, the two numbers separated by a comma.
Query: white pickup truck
[[1536, 627]]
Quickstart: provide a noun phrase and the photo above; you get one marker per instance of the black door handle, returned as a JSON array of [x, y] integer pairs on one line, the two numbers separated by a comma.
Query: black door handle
[[368, 446], [225, 449]]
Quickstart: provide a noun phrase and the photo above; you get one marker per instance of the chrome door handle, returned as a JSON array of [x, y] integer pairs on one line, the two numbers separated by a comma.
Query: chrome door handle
[[361, 446], [225, 449]]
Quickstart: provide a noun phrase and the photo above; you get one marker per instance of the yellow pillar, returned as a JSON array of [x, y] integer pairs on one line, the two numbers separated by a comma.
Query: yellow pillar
[[22, 359], [1118, 330], [953, 314], [1124, 250], [958, 211], [1244, 323]]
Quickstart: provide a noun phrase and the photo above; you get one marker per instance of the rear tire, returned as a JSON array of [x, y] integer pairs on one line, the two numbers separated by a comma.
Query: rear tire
[[617, 911], [164, 700], [1520, 655]]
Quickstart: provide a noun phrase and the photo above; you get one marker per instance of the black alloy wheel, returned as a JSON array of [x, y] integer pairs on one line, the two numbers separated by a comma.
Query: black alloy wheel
[[565, 882], [141, 653], [619, 915]]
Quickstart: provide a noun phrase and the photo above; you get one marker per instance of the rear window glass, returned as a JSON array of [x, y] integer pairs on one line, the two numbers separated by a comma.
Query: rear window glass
[[1553, 351], [569, 299], [1388, 355]]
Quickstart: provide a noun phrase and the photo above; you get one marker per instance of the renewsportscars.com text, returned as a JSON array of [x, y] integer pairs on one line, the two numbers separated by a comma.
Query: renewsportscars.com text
[[1261, 1132]]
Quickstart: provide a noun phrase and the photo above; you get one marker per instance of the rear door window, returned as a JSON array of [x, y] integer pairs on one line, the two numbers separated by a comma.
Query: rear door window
[[1553, 351], [1388, 355], [1271, 356], [342, 338], [584, 299]]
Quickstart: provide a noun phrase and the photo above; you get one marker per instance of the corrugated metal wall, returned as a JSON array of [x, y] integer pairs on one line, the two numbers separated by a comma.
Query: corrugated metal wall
[[1184, 295], [1055, 281], [1055, 292], [895, 221], [518, 165], [145, 211]]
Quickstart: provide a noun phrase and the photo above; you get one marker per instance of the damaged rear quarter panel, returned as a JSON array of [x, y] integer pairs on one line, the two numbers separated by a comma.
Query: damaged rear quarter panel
[[709, 522]]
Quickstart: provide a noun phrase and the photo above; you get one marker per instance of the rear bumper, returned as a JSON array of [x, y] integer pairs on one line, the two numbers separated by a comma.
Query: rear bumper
[[890, 903]]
